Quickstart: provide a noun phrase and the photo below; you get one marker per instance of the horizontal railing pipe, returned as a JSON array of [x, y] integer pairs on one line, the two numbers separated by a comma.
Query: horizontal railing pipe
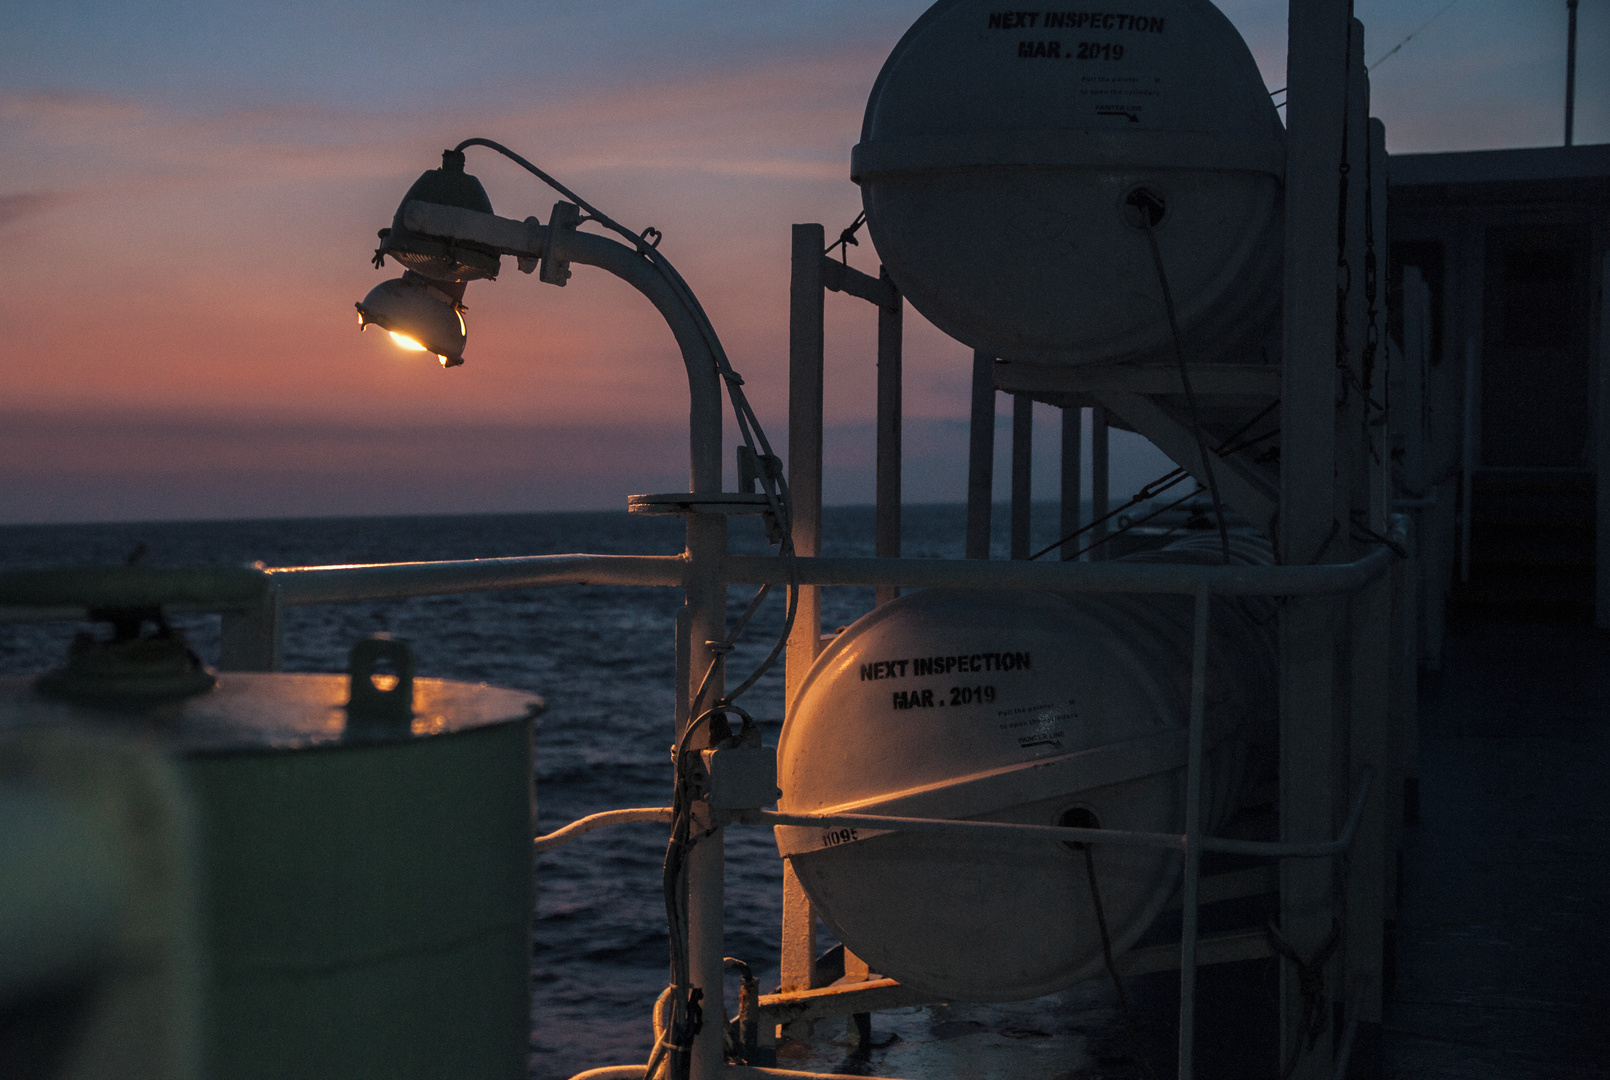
[[383, 581], [993, 829], [1104, 577], [346, 583], [1315, 849], [1122, 837]]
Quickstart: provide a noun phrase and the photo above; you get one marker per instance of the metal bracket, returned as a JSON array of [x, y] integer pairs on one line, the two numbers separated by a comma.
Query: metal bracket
[[555, 270], [370, 705]]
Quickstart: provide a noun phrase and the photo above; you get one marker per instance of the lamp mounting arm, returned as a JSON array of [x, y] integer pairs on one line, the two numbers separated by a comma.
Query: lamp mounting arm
[[523, 239], [530, 239]]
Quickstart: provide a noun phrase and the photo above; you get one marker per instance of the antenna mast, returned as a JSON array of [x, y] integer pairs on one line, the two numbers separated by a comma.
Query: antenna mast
[[1570, 68]]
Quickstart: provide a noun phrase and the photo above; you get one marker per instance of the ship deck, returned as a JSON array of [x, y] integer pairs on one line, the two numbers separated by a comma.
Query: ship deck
[[1502, 959]]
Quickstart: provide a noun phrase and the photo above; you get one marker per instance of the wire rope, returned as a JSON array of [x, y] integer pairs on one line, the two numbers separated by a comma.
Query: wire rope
[[1163, 483], [1185, 379], [1111, 965]]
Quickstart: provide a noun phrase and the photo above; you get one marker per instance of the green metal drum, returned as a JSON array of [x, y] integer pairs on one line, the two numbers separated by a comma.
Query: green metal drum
[[366, 870]]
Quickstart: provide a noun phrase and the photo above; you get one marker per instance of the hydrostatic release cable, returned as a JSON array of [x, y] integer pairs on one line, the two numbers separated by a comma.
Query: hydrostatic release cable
[[1150, 210]]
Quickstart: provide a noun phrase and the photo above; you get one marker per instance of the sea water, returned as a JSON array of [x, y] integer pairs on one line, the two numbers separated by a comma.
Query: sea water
[[603, 658]]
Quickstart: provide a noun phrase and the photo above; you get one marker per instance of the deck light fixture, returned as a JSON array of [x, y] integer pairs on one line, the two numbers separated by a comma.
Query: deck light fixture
[[424, 309], [445, 235], [421, 315]]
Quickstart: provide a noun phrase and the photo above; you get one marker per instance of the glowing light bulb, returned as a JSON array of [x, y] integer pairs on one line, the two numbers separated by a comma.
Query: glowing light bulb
[[406, 342]]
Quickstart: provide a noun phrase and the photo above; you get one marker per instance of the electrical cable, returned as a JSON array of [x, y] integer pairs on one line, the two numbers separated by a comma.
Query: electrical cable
[[686, 1012], [661, 1033]]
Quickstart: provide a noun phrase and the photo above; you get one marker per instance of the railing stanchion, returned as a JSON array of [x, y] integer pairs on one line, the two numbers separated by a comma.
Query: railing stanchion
[[806, 332], [1193, 836], [251, 639], [890, 407], [981, 457]]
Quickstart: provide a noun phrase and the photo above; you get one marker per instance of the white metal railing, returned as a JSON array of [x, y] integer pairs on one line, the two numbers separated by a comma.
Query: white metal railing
[[336, 584], [253, 631], [299, 585]]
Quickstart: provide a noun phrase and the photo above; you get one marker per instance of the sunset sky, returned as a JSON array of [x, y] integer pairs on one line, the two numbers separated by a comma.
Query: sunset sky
[[189, 194]]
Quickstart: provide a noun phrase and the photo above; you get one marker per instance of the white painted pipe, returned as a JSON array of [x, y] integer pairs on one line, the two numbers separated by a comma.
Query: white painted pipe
[[729, 1072], [583, 826], [379, 581]]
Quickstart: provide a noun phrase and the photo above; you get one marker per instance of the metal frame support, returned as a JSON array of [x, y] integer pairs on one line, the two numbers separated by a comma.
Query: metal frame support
[[1601, 562], [806, 339], [1470, 457], [1317, 97], [1072, 436], [812, 275], [1190, 909], [890, 397], [252, 639], [881, 292], [1100, 478], [1242, 488], [1022, 473], [981, 456], [1371, 653], [1378, 427], [1570, 71]]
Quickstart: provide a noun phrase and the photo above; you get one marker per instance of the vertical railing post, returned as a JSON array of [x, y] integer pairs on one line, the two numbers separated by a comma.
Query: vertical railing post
[[1470, 453], [1373, 676], [1378, 431], [1316, 78], [805, 350], [1370, 653], [1193, 836], [890, 391], [1072, 436], [981, 456], [706, 862], [252, 639], [1022, 473], [1601, 554], [1570, 71], [1100, 475]]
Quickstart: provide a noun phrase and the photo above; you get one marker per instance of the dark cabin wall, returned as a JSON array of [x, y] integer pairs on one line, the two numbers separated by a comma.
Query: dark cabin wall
[[1480, 228]]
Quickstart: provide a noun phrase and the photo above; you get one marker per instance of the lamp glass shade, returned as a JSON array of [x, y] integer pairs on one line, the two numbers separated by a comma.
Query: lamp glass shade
[[420, 312]]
